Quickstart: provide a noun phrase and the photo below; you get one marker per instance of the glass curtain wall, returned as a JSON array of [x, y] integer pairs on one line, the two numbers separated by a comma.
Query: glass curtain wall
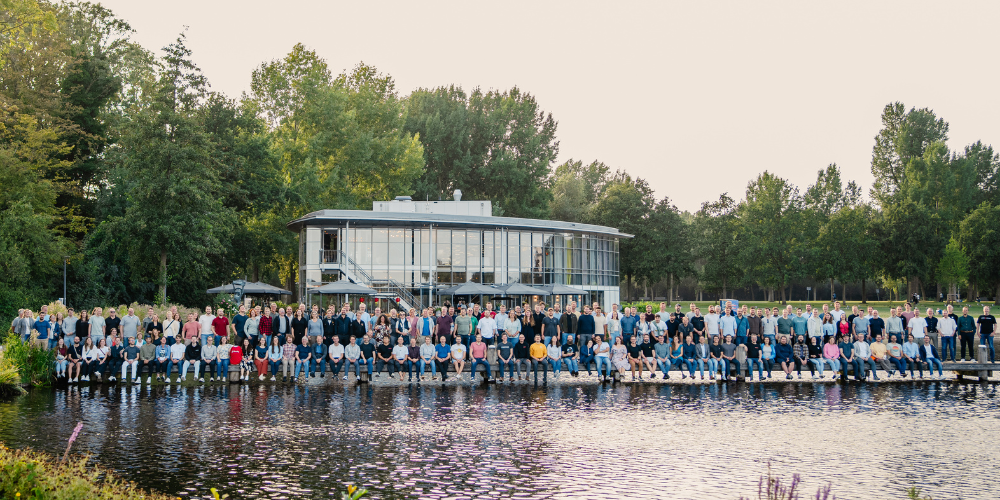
[[489, 256]]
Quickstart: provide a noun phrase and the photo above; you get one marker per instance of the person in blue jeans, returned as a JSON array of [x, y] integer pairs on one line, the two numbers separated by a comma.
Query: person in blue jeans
[[602, 356], [478, 351], [303, 354], [570, 355], [753, 357], [661, 353], [319, 353], [587, 355], [690, 355], [505, 357], [929, 355], [273, 357]]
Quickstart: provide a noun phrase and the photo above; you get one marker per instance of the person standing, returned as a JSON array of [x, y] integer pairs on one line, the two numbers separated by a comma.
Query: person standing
[[586, 326], [986, 326], [191, 329], [946, 328], [967, 328], [96, 327], [205, 325]]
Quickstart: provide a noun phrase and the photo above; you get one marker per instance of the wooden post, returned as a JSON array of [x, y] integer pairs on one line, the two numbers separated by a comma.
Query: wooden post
[[364, 379], [983, 358]]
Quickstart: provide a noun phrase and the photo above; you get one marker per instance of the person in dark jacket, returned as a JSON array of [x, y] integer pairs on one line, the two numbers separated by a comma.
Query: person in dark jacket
[[569, 323], [585, 326], [784, 357], [753, 358], [342, 327], [358, 329], [117, 355], [521, 357]]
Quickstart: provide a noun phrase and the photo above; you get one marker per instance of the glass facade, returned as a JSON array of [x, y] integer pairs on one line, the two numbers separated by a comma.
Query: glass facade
[[416, 256]]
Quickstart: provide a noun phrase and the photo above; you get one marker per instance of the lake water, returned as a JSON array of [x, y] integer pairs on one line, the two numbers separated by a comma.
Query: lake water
[[564, 441]]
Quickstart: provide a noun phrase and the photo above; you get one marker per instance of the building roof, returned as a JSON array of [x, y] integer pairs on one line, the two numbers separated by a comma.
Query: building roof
[[369, 218]]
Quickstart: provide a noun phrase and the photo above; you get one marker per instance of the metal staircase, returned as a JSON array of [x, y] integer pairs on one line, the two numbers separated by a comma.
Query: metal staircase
[[386, 288]]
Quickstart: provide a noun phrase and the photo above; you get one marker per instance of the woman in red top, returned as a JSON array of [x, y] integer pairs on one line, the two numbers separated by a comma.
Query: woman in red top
[[236, 357]]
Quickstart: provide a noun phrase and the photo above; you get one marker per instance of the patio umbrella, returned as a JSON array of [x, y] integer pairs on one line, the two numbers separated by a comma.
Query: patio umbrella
[[344, 287], [522, 289], [254, 288], [558, 289], [469, 288]]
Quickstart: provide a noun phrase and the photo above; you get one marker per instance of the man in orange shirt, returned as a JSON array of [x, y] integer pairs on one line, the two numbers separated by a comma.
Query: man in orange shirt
[[190, 329]]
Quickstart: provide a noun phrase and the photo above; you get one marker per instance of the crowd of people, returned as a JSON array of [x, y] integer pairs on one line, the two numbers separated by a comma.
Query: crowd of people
[[294, 343]]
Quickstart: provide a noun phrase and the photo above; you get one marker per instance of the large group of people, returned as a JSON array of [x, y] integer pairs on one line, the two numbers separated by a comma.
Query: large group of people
[[289, 344]]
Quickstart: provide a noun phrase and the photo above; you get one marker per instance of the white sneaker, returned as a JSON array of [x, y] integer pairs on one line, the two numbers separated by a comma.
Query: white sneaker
[[149, 380], [345, 377], [272, 378], [202, 380]]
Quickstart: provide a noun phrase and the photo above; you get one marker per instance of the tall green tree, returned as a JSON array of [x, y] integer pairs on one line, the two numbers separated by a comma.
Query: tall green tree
[[904, 135], [501, 148], [576, 188], [626, 205], [979, 234], [771, 230], [714, 239], [953, 268], [168, 187]]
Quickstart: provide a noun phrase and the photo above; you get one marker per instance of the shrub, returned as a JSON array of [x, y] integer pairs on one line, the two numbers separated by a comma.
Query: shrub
[[34, 365], [31, 475]]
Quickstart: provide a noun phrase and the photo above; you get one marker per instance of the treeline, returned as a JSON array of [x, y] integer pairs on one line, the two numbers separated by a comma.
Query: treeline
[[930, 225], [151, 187]]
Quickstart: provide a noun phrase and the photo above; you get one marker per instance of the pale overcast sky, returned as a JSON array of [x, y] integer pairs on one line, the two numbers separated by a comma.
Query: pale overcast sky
[[697, 97]]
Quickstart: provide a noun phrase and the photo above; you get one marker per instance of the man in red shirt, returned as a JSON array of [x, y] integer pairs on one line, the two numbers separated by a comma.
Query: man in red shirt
[[220, 325]]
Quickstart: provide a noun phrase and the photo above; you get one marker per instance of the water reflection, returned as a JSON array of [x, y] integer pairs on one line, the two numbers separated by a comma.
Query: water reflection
[[566, 441]]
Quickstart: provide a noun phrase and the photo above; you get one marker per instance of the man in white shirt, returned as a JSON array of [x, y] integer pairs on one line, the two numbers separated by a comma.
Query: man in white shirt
[[336, 355], [917, 327], [487, 326], [946, 329], [602, 355], [836, 313], [205, 325], [712, 323], [176, 359]]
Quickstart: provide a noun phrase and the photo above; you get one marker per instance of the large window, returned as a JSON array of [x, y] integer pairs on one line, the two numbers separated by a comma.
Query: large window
[[443, 247]]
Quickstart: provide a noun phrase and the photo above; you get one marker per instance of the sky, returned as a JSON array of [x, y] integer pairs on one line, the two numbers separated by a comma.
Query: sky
[[696, 97]]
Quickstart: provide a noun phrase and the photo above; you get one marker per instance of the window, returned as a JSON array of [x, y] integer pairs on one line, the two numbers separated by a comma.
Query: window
[[474, 249], [458, 248], [443, 247]]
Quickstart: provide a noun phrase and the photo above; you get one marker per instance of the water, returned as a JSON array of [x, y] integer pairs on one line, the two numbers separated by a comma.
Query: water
[[567, 441]]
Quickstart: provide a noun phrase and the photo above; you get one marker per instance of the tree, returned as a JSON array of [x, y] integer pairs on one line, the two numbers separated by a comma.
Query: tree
[[714, 239], [979, 234], [846, 244], [576, 188], [911, 242], [168, 188], [953, 268], [626, 205], [501, 148], [904, 136], [668, 252], [770, 223]]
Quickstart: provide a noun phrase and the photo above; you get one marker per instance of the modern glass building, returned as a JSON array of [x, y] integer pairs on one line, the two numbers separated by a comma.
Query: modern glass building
[[413, 249]]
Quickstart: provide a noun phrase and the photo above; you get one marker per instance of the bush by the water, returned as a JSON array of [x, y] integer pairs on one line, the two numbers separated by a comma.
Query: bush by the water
[[37, 476], [34, 365]]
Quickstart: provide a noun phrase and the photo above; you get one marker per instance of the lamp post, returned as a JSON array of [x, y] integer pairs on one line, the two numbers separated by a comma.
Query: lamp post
[[65, 299]]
